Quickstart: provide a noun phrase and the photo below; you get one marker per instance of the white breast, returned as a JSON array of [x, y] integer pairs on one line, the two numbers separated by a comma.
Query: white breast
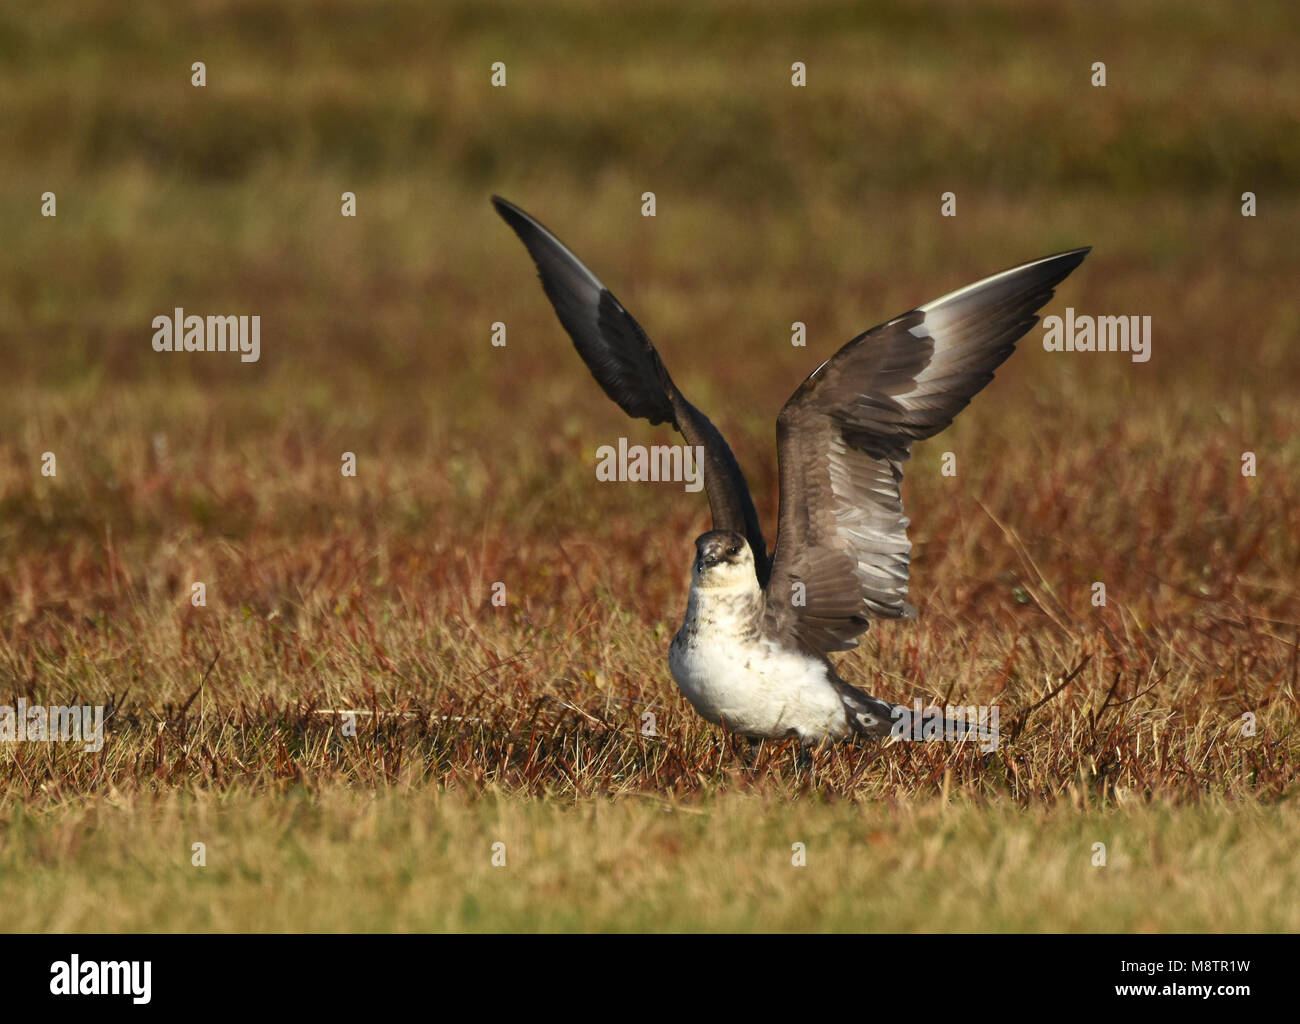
[[734, 676]]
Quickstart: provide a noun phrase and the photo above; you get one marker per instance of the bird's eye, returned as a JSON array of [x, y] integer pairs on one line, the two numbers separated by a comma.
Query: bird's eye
[[735, 550]]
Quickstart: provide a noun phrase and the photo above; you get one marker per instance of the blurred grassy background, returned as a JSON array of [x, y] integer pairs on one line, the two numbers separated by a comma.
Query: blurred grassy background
[[342, 860], [775, 204]]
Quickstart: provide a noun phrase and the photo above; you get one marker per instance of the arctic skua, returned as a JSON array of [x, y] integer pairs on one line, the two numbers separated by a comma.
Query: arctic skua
[[752, 652]]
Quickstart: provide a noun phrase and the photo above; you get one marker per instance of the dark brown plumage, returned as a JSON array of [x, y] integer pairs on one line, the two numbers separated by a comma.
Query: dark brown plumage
[[628, 368], [842, 550], [844, 434]]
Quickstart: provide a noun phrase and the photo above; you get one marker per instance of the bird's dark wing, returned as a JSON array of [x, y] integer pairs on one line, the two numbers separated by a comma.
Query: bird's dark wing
[[626, 365], [844, 434]]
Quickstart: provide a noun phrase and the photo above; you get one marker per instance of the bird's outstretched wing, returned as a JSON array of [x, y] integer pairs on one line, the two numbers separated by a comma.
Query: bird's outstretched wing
[[626, 365], [842, 551]]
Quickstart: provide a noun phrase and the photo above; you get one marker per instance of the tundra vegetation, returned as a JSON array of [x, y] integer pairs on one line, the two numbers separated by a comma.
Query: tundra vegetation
[[491, 618]]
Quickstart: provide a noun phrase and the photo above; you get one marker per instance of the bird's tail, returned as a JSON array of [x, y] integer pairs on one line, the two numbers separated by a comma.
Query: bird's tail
[[878, 719], [867, 715]]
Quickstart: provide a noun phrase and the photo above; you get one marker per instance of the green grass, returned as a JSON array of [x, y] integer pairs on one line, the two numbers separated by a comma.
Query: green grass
[[342, 860]]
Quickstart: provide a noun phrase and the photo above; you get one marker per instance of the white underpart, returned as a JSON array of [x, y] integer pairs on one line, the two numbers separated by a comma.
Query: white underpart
[[747, 682]]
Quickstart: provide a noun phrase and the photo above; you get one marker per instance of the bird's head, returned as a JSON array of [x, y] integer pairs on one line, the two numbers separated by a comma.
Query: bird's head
[[723, 559]]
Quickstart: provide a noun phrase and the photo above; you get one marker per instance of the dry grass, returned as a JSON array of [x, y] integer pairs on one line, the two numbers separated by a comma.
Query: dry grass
[[477, 464]]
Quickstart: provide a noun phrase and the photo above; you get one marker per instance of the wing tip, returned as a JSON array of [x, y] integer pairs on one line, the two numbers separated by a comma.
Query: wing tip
[[1073, 257], [1047, 271], [512, 214], [1058, 262]]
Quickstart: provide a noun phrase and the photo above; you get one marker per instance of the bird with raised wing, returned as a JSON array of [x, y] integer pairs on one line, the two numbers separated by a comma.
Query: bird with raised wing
[[752, 650]]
